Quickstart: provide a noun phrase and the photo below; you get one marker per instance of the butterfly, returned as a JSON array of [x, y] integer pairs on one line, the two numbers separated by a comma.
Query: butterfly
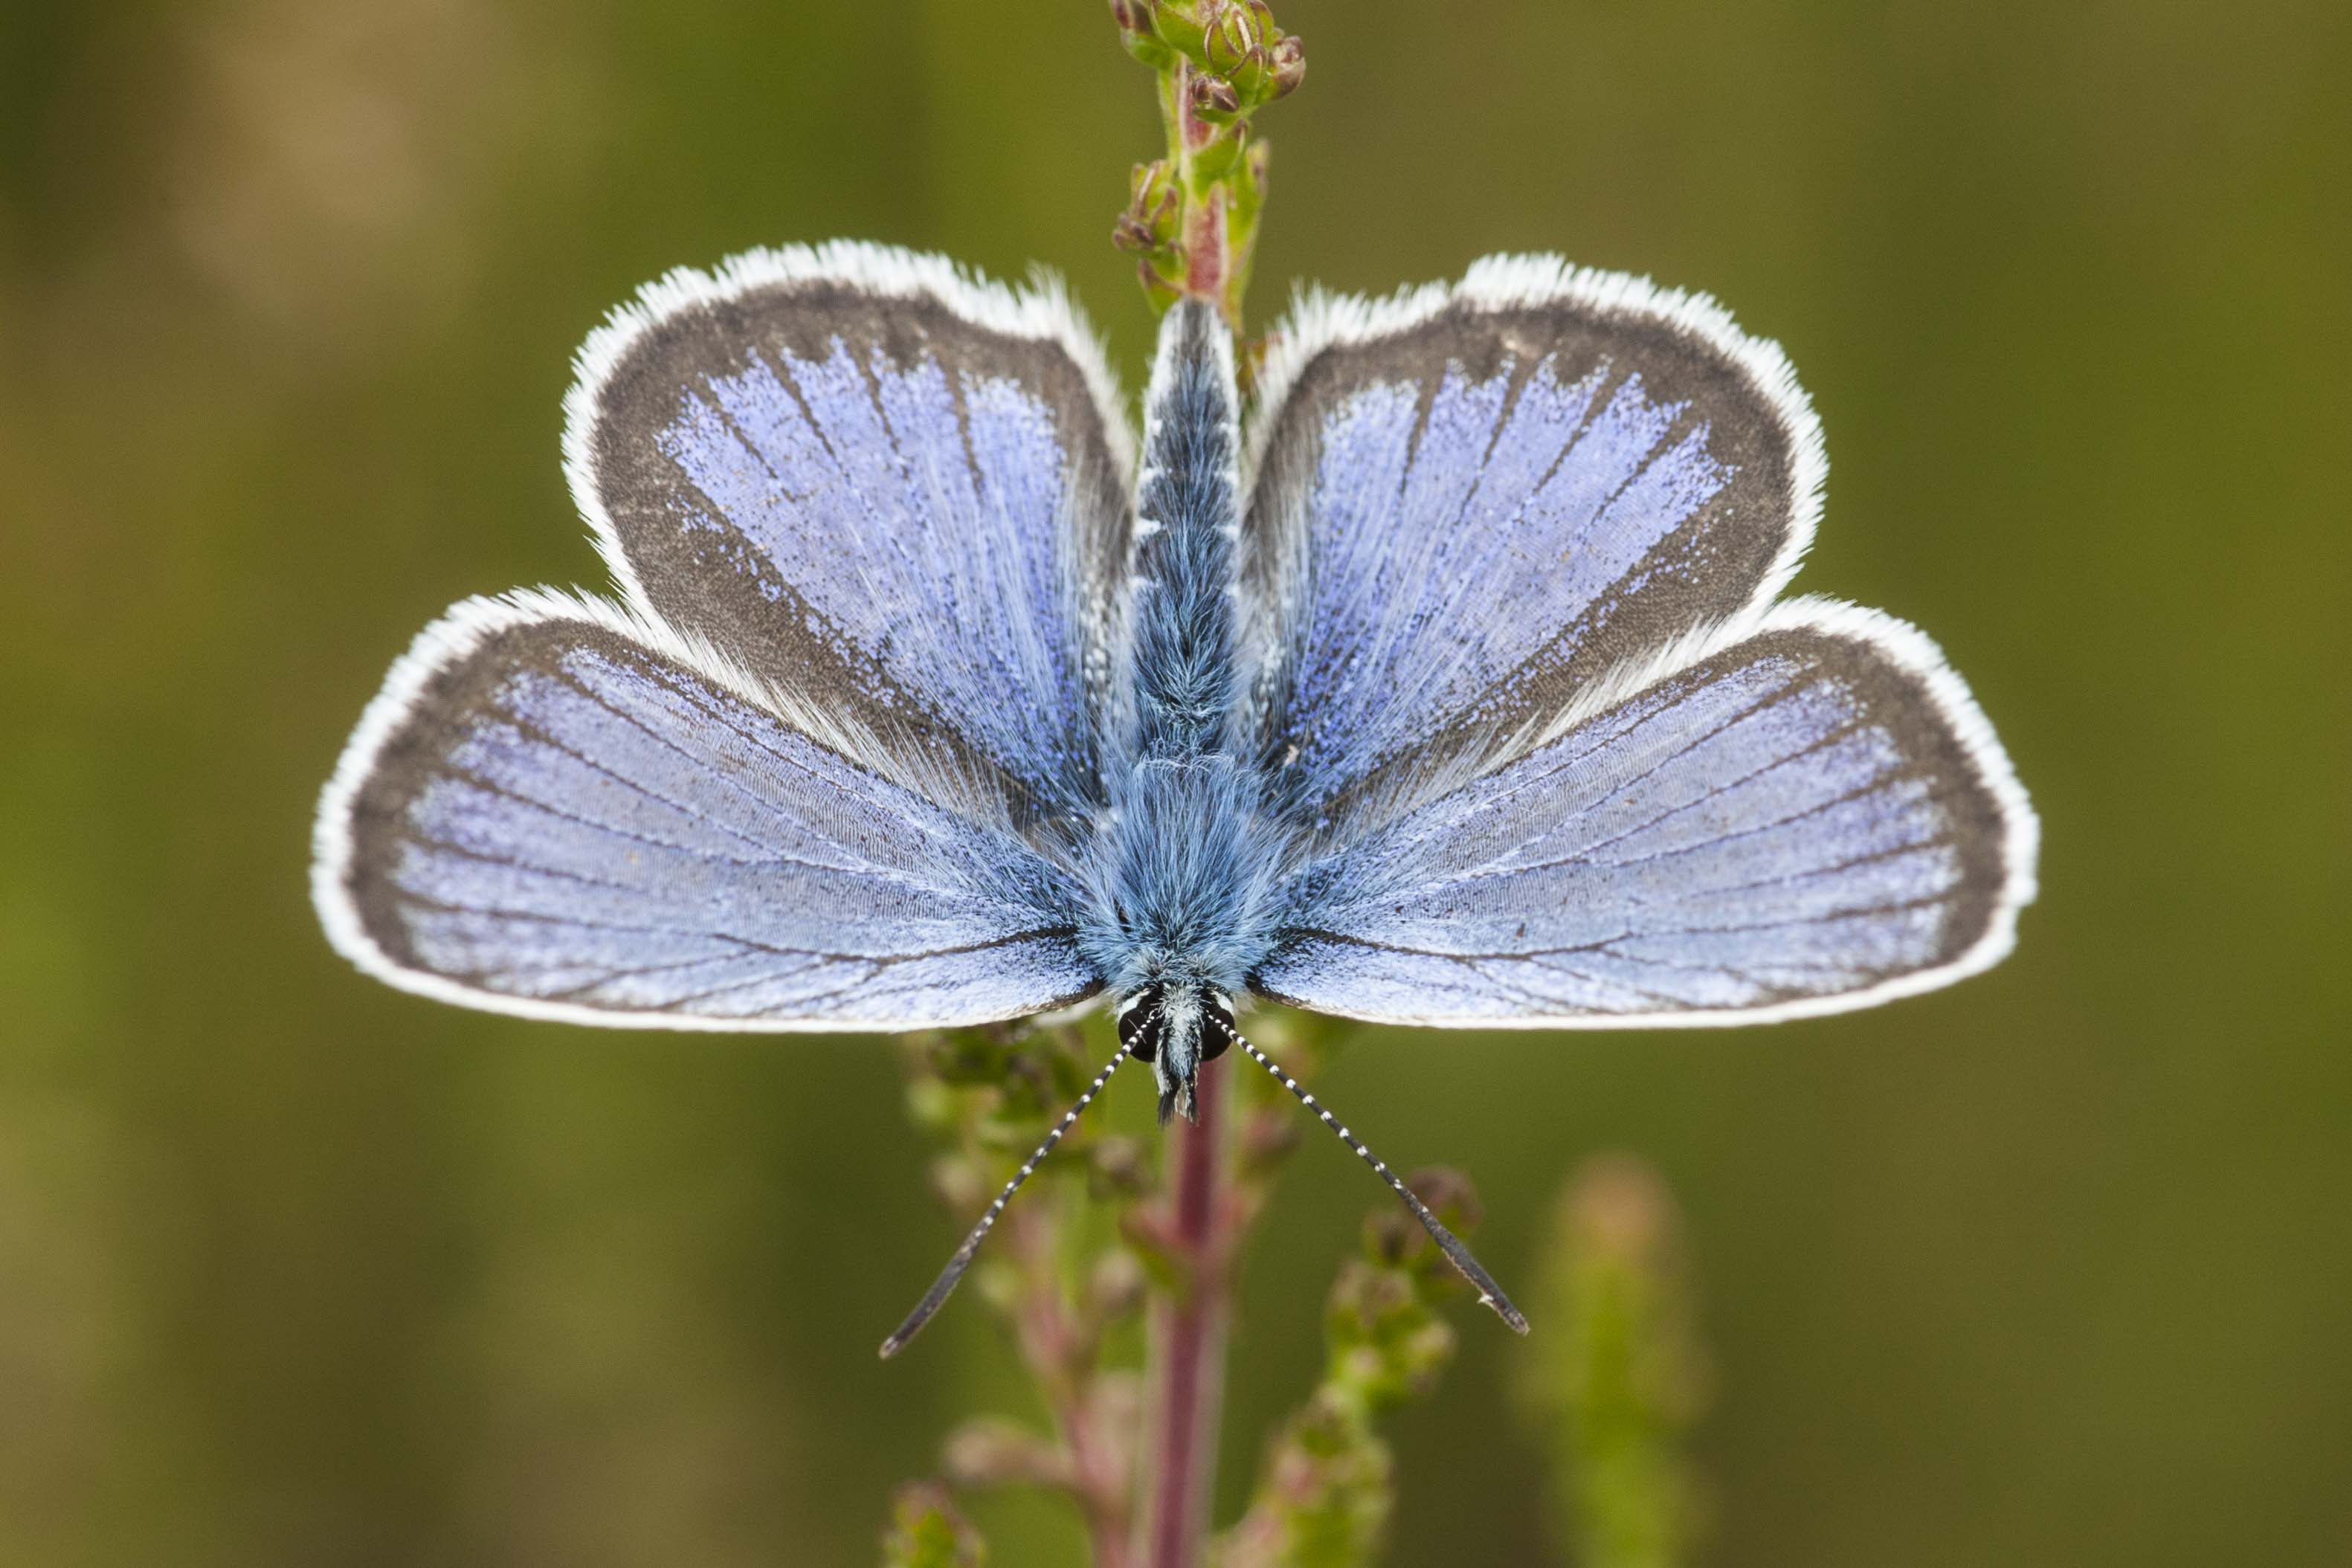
[[1449, 682]]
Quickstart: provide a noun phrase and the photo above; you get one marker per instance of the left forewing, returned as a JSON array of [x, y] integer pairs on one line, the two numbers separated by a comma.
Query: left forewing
[[896, 493]]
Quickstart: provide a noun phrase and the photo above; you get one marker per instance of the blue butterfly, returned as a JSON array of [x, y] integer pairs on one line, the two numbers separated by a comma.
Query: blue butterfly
[[1450, 684]]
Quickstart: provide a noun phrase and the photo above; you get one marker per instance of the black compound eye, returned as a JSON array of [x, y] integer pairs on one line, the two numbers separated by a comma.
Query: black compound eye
[[1216, 1029], [1139, 1025]]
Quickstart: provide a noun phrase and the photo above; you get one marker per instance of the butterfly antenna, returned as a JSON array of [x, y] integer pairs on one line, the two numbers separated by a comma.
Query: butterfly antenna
[[944, 1286], [1490, 1292]]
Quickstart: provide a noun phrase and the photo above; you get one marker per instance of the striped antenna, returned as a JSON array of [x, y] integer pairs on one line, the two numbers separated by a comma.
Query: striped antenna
[[944, 1286], [1447, 1242]]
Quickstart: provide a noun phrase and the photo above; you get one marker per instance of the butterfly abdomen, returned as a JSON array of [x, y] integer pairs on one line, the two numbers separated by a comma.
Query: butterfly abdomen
[[1183, 661]]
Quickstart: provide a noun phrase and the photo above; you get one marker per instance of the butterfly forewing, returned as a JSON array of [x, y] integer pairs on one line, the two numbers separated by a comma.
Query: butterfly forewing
[[898, 497], [1811, 817], [556, 812], [1473, 502], [1510, 559]]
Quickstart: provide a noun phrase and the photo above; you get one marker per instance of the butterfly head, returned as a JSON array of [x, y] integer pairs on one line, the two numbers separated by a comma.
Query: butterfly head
[[1176, 1028]]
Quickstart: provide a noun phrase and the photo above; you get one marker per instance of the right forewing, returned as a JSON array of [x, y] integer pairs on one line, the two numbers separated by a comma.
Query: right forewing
[[1470, 503]]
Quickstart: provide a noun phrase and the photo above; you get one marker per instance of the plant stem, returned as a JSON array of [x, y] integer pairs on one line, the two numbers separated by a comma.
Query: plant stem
[[1060, 1356], [1100, 1487], [1192, 216], [1190, 1332]]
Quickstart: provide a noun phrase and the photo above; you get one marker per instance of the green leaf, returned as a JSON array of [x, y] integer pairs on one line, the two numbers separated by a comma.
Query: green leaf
[[926, 1532], [1615, 1388], [1327, 1485]]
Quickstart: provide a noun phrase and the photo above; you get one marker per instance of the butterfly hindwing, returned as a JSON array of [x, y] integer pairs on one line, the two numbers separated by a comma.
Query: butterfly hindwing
[[1812, 817], [896, 496], [1473, 501], [557, 810]]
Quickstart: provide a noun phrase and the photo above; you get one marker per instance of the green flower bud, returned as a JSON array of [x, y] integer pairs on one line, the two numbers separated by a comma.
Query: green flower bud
[[1252, 78], [1214, 100], [1151, 188], [1154, 210], [1137, 32], [1178, 23], [1233, 35], [1133, 16], [1288, 62]]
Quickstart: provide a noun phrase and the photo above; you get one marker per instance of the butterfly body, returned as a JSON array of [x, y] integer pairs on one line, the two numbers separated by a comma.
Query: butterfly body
[[1183, 888]]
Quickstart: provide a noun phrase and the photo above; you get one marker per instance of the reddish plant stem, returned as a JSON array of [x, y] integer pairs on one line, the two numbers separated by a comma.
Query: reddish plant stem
[[1205, 257], [1192, 1338]]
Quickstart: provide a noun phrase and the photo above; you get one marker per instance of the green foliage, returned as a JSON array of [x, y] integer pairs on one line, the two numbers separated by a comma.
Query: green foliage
[[1617, 1379], [1192, 217], [1093, 1237], [1057, 1272], [926, 1532], [1327, 1485]]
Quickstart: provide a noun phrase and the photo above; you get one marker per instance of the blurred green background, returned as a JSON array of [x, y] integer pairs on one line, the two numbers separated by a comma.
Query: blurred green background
[[2051, 1268]]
